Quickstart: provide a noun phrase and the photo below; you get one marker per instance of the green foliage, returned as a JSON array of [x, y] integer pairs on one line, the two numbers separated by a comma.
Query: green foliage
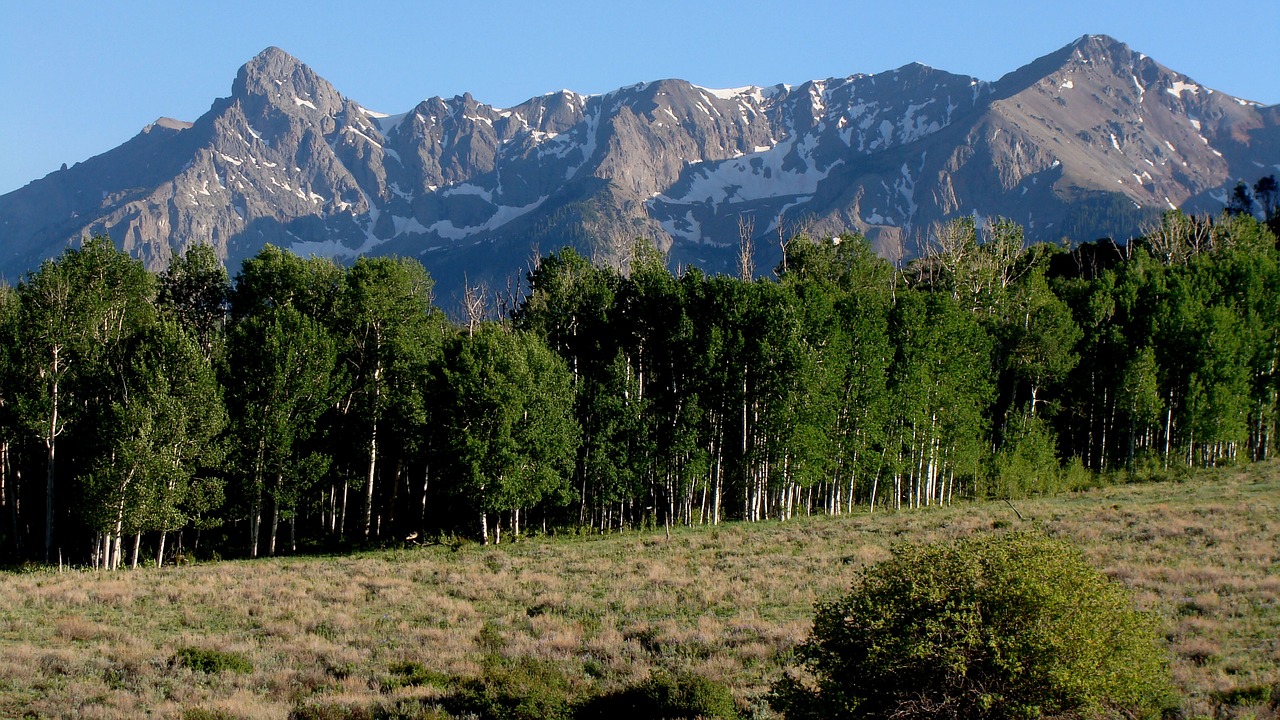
[[674, 696], [506, 412], [1259, 695], [942, 384], [211, 661], [276, 278], [1075, 476], [1027, 462], [77, 312], [1004, 626], [523, 688], [337, 405], [413, 674], [158, 430], [1104, 215], [283, 382], [194, 292]]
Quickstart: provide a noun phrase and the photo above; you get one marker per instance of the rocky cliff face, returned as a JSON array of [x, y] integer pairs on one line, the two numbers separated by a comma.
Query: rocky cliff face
[[1084, 142]]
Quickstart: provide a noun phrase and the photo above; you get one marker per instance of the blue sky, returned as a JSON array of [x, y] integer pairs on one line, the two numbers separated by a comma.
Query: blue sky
[[79, 78]]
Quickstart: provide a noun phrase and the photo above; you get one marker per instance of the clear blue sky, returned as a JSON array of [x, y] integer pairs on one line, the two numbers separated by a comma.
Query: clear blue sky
[[78, 78]]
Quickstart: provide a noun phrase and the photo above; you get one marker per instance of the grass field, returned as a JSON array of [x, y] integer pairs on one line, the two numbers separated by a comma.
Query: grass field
[[727, 603]]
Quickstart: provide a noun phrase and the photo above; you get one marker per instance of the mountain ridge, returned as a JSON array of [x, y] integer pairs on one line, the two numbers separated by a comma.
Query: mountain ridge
[[1060, 145]]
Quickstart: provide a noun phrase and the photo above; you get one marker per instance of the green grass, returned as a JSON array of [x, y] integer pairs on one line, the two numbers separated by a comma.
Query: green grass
[[406, 628]]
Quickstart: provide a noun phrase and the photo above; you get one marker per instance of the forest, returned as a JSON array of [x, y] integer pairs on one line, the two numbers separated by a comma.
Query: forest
[[303, 405]]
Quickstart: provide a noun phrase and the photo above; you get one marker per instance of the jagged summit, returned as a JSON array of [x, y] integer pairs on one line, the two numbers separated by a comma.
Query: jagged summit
[[1105, 54], [276, 78], [1101, 43], [1089, 140], [916, 68], [271, 63]]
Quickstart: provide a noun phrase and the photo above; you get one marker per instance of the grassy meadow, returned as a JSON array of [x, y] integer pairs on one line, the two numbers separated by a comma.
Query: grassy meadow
[[383, 628]]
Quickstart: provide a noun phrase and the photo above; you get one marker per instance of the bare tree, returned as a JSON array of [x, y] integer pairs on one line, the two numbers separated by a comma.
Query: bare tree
[[788, 231], [951, 248], [746, 247], [1178, 238], [1004, 246], [474, 305], [616, 251]]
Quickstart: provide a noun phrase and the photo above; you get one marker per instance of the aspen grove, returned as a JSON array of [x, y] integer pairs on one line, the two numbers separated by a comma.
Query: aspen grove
[[303, 404]]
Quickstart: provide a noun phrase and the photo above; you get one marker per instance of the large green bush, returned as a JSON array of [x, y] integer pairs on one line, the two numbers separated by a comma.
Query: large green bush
[[1005, 626]]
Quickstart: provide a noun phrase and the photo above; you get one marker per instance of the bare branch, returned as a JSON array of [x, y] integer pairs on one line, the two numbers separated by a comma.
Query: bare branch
[[746, 247], [473, 304]]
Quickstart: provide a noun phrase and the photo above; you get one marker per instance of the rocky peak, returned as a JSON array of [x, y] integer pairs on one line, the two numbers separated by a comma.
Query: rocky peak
[[916, 74], [278, 80], [552, 113], [286, 159], [261, 75], [1102, 47], [1105, 64]]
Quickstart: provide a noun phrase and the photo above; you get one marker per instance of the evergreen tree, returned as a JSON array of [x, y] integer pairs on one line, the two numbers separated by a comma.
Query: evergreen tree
[[1266, 191], [1241, 201]]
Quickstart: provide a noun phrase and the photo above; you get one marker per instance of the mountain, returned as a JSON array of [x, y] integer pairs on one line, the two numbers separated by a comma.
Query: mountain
[[1088, 141]]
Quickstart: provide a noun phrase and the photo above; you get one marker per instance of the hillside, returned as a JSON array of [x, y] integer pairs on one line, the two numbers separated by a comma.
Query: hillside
[[1091, 140], [602, 611]]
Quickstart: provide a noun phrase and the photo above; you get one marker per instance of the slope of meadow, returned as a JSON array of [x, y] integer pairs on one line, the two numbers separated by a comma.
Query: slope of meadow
[[727, 603]]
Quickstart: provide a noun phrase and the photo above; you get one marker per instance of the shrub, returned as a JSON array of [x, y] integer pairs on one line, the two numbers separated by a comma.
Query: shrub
[[1075, 476], [664, 695], [1260, 695], [401, 710], [413, 674], [1027, 464], [1004, 626], [211, 661], [206, 714], [522, 688]]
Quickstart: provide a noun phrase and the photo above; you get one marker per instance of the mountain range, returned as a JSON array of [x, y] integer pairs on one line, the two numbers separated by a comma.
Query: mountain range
[[1089, 141]]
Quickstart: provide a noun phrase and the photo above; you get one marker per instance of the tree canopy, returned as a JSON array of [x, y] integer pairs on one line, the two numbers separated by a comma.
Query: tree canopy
[[307, 404]]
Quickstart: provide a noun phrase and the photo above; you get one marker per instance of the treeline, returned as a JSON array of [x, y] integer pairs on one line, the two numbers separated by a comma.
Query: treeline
[[310, 405]]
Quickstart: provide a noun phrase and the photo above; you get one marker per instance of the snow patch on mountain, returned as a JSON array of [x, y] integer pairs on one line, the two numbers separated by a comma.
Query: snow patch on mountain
[[685, 228], [756, 176], [750, 91], [468, 189], [503, 215]]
